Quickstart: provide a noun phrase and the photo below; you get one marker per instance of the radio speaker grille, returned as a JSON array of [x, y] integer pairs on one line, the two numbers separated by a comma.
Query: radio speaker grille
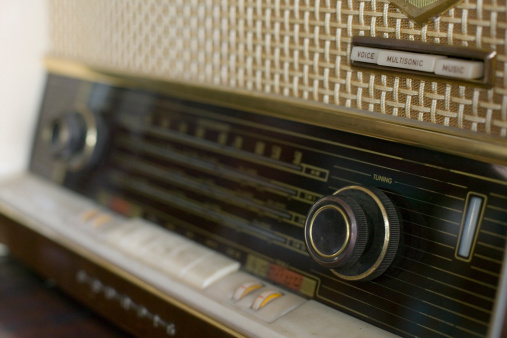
[[294, 48]]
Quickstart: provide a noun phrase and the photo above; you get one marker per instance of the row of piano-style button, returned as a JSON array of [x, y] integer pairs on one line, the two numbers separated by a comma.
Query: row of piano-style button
[[194, 264]]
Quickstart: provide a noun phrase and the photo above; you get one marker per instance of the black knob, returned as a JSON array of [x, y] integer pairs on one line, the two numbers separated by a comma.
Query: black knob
[[355, 232], [337, 231]]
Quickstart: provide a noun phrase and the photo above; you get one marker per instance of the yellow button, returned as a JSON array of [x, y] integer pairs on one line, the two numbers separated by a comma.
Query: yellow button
[[264, 298]]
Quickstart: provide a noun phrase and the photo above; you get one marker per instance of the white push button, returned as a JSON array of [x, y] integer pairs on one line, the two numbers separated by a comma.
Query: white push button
[[137, 239], [155, 252], [365, 54], [209, 270], [183, 259], [470, 226], [460, 68], [406, 60], [119, 232]]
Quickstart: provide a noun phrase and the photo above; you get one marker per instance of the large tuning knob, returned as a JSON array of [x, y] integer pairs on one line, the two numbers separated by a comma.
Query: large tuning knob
[[355, 232]]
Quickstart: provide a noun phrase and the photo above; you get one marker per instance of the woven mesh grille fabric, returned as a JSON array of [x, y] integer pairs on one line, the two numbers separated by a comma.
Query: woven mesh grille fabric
[[294, 48]]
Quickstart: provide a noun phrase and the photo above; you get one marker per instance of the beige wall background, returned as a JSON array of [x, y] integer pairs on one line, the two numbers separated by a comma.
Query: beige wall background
[[23, 41]]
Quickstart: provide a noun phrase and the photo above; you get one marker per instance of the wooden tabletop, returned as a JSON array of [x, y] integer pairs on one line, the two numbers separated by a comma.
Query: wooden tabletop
[[33, 307]]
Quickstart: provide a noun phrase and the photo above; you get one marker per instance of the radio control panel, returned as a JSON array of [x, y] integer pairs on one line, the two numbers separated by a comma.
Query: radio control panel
[[407, 239]]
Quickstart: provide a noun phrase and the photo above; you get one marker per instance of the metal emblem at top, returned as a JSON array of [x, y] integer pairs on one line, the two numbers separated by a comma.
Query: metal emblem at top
[[421, 11]]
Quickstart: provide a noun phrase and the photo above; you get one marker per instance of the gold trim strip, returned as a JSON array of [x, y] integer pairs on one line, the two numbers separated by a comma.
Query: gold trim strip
[[421, 134]]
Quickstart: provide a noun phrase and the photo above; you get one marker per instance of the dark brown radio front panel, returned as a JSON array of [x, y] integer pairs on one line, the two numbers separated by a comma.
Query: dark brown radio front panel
[[243, 183]]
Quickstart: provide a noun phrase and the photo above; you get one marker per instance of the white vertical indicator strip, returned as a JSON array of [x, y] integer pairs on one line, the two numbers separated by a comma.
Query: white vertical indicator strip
[[470, 226]]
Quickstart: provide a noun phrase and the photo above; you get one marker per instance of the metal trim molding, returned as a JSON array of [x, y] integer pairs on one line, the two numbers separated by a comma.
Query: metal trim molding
[[453, 141]]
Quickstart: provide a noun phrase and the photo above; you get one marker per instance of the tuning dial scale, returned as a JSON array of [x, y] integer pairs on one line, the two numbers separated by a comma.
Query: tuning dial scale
[[355, 232]]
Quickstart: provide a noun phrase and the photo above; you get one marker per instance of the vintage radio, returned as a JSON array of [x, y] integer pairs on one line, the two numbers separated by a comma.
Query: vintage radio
[[272, 167]]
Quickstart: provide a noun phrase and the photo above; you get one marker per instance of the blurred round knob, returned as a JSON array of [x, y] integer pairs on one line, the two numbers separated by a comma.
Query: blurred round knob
[[68, 136], [76, 138]]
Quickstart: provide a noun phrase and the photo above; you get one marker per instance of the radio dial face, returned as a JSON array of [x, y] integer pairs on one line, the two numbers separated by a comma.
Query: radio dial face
[[355, 232]]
